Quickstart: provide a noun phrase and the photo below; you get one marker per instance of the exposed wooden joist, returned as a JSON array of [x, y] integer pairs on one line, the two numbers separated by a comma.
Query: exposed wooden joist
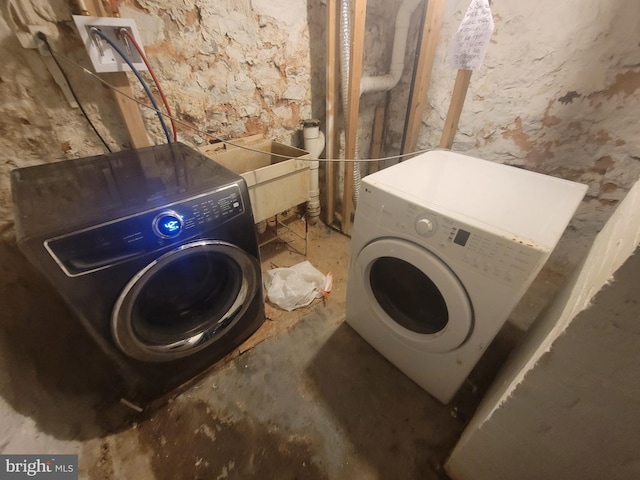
[[128, 109], [455, 108], [355, 74], [422, 77], [376, 137]]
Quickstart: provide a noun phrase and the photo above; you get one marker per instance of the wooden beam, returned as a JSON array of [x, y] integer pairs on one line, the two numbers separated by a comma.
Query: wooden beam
[[422, 76], [331, 107], [376, 136], [455, 108], [129, 109], [355, 74]]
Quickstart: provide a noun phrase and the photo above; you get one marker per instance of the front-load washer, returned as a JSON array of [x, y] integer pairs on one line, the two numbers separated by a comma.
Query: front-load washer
[[443, 247], [156, 252]]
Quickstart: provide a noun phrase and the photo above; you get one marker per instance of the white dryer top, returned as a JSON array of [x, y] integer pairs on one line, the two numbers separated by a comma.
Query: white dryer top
[[497, 198]]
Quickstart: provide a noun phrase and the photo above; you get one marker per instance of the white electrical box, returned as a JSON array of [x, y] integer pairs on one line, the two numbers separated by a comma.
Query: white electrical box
[[103, 56]]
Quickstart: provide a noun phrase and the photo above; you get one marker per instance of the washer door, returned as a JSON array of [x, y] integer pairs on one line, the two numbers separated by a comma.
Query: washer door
[[184, 300], [415, 295]]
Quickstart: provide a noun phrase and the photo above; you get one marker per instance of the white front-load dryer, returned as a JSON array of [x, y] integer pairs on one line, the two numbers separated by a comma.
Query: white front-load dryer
[[443, 247]]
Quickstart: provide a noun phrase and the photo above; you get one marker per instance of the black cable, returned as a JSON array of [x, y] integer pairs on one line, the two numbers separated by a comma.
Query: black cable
[[43, 37], [207, 134]]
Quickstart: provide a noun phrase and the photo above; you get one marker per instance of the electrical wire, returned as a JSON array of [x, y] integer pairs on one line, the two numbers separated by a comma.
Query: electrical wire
[[227, 142], [96, 31], [127, 34], [43, 37]]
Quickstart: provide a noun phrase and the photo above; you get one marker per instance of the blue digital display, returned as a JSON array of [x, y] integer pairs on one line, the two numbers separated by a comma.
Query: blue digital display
[[169, 225]]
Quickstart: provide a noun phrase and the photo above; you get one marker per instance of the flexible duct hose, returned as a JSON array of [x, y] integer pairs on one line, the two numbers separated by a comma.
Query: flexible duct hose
[[345, 62], [369, 84]]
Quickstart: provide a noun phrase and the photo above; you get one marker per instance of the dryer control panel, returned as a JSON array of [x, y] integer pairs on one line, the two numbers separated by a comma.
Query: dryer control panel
[[500, 257], [110, 243], [507, 260]]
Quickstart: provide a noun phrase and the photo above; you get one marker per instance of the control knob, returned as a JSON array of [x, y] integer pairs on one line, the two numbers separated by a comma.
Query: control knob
[[168, 224], [425, 226]]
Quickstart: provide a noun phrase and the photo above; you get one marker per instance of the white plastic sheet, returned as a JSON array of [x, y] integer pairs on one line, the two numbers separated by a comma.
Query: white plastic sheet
[[296, 286]]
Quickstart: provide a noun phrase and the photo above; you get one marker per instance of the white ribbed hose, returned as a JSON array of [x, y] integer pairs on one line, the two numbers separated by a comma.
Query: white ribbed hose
[[345, 62]]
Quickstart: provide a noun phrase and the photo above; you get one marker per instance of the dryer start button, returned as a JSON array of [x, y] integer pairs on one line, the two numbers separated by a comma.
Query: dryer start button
[[425, 226]]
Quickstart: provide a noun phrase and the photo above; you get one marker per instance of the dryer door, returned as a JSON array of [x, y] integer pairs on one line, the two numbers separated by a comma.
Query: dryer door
[[414, 294], [185, 300]]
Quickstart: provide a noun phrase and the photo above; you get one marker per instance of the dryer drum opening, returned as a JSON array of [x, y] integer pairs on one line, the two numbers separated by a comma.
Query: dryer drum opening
[[410, 291], [408, 295], [184, 301]]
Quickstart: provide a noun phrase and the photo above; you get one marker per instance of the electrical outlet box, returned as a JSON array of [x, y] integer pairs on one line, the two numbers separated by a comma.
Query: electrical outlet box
[[103, 57]]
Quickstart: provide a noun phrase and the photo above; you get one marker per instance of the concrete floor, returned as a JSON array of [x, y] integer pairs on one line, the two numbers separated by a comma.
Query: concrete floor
[[306, 398]]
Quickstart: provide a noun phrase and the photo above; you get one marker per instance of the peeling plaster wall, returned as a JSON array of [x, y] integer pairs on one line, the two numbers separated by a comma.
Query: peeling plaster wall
[[230, 69], [557, 92], [36, 123]]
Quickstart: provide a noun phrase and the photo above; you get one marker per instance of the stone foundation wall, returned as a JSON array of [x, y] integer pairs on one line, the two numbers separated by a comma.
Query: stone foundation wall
[[557, 92]]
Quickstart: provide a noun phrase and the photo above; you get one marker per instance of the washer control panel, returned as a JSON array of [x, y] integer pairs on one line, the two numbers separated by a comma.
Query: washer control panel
[[113, 242], [168, 224]]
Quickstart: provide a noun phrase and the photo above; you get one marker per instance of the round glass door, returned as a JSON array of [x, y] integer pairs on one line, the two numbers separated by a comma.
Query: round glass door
[[184, 300], [415, 294]]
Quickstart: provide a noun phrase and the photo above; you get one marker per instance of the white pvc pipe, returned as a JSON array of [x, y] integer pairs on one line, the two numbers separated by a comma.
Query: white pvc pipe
[[391, 79], [314, 144]]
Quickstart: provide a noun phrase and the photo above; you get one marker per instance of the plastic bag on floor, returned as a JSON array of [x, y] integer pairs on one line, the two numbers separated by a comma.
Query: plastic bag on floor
[[295, 287]]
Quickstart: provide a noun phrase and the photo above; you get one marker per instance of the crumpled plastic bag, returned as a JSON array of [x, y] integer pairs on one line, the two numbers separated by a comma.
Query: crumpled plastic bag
[[297, 286]]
